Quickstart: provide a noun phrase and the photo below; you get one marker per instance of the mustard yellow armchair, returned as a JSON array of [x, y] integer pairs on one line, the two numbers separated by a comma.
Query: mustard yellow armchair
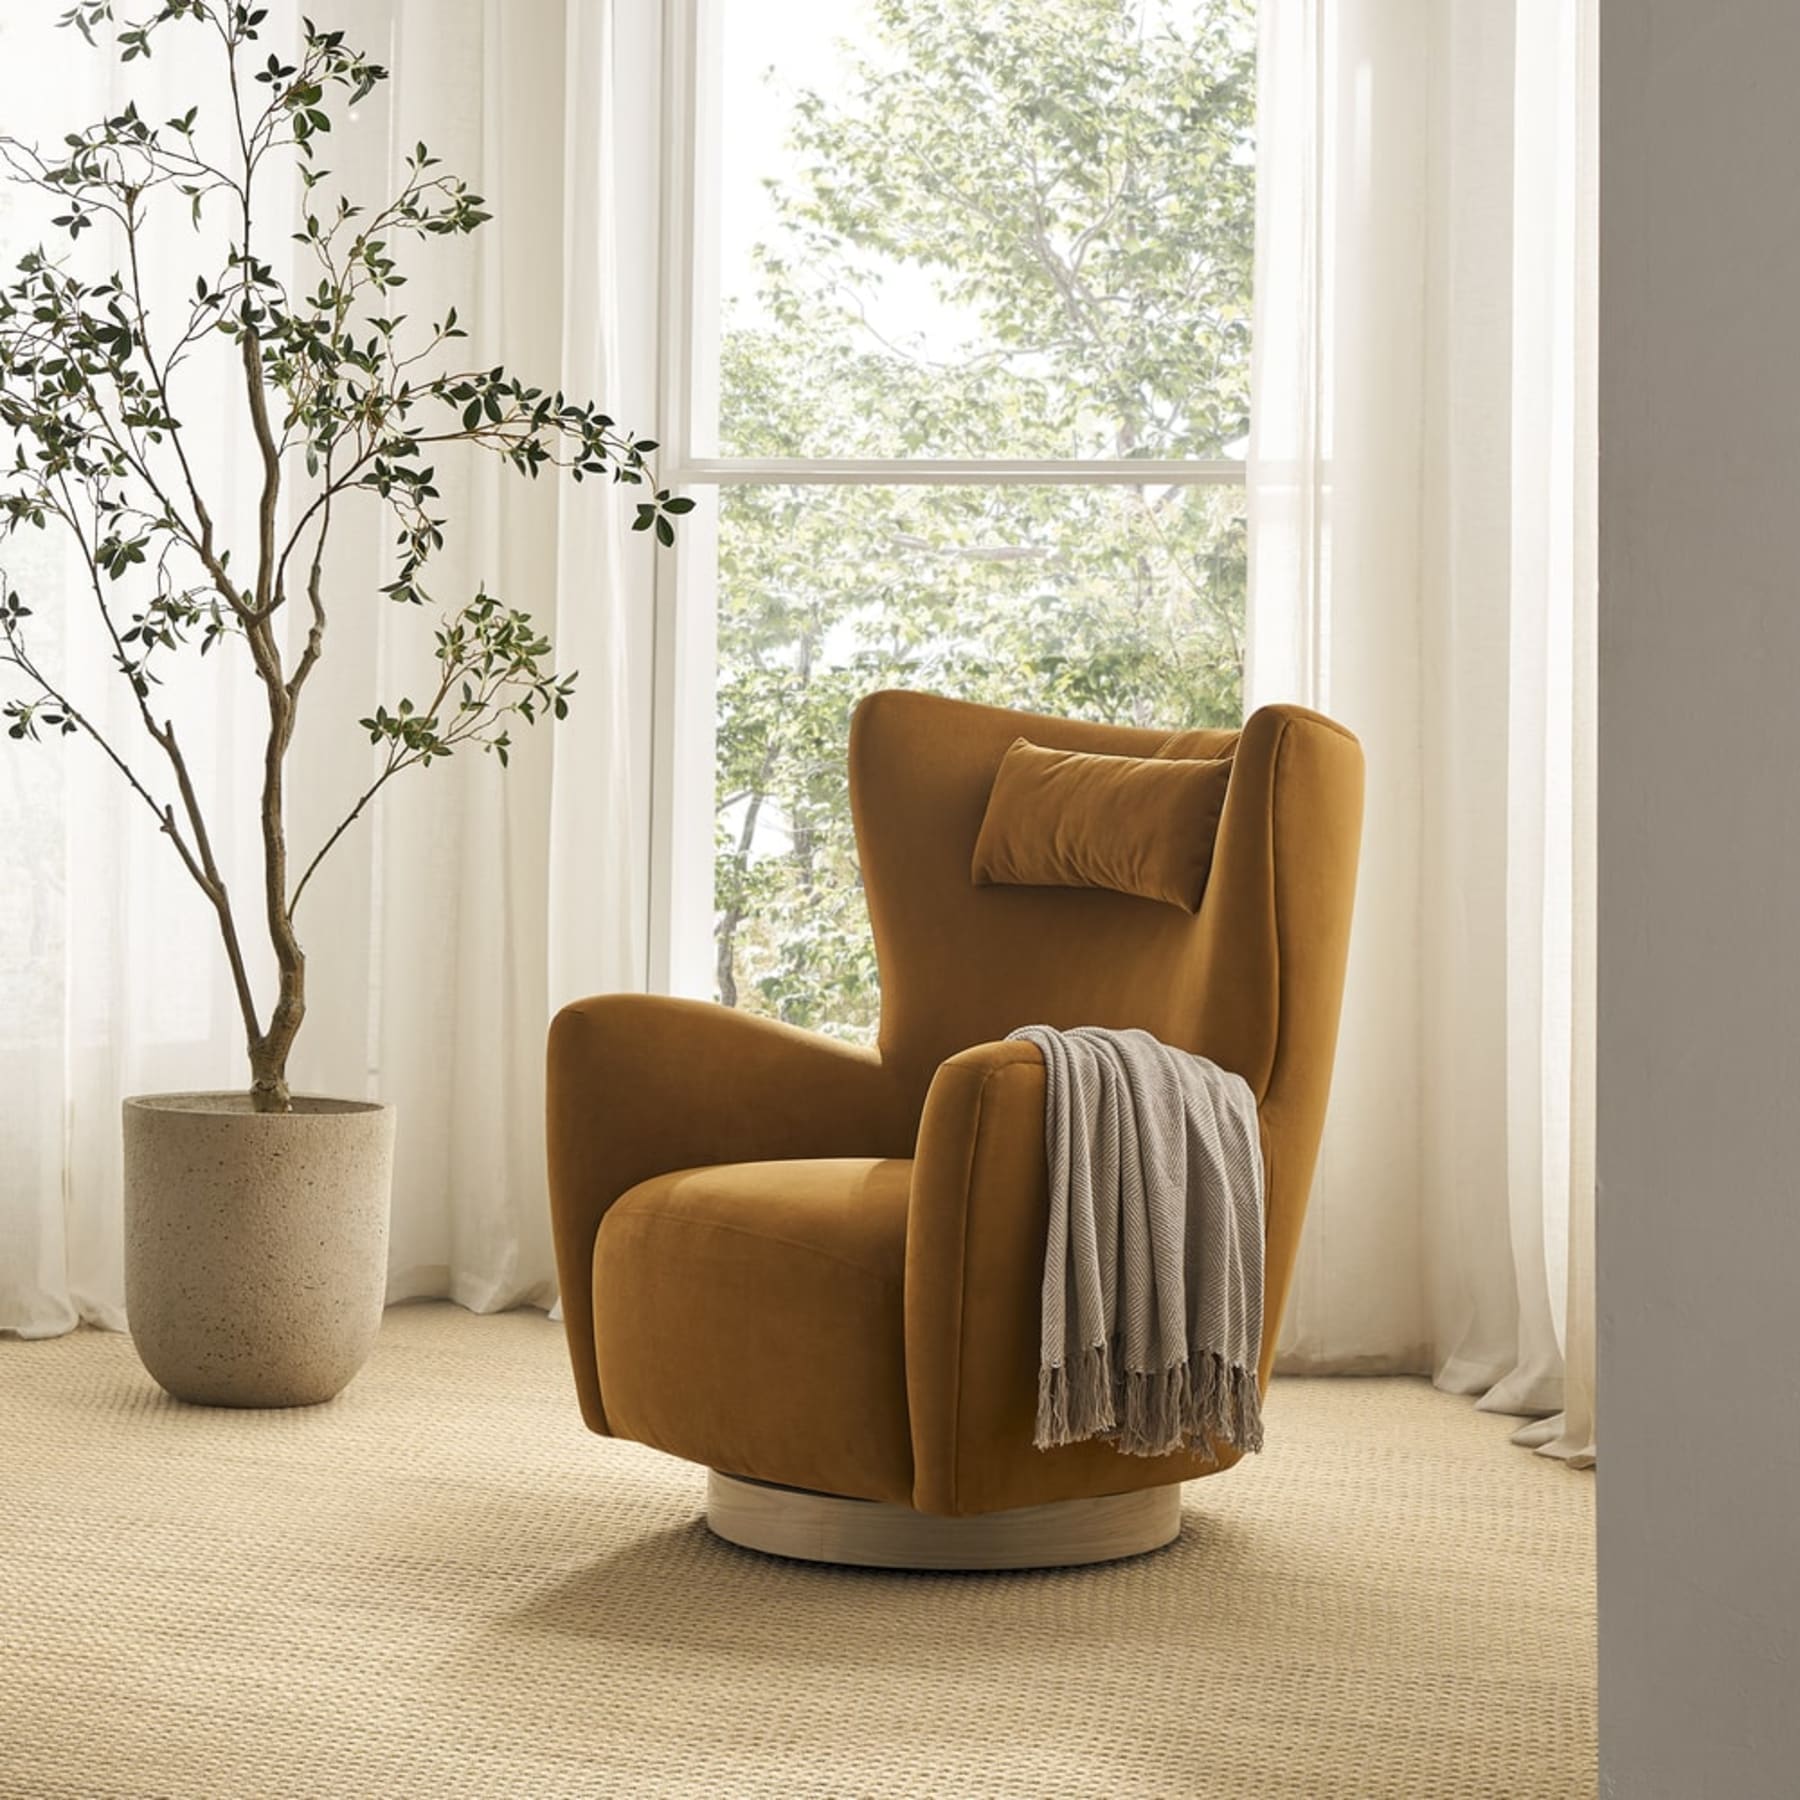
[[816, 1268]]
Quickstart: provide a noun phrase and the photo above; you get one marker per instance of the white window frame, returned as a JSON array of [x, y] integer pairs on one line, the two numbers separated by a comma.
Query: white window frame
[[685, 657]]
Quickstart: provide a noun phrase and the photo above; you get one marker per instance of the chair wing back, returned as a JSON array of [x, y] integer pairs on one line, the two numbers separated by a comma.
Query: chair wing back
[[1252, 980]]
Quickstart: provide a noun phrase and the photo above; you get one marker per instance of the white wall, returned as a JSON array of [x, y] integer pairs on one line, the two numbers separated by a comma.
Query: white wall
[[1699, 1053]]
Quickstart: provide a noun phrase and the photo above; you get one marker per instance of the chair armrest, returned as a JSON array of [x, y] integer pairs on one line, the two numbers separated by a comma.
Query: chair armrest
[[974, 1268], [640, 1085], [975, 1236]]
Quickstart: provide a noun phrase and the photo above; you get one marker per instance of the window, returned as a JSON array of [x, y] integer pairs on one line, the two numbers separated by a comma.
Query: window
[[966, 295]]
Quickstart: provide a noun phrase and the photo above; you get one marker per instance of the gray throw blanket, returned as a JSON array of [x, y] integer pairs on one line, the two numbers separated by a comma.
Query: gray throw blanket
[[1153, 1275]]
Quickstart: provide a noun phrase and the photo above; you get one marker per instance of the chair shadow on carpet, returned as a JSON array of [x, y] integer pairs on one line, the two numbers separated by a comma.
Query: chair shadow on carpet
[[629, 1597]]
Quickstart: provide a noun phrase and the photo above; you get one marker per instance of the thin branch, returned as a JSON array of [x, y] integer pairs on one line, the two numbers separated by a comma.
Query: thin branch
[[394, 765], [198, 535], [206, 871], [318, 504], [271, 461], [216, 882], [398, 760], [163, 814], [315, 636], [159, 376]]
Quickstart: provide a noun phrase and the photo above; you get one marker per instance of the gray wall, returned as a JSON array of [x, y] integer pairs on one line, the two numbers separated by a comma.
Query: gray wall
[[1699, 1054]]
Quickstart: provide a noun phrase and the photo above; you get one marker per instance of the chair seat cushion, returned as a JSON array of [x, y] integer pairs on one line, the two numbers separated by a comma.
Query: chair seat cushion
[[749, 1316]]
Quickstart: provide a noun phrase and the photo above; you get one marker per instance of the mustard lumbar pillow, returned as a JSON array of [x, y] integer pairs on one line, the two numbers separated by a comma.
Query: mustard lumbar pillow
[[1135, 824]]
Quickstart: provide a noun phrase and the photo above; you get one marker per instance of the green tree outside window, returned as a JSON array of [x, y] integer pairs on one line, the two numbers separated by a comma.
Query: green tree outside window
[[1075, 177]]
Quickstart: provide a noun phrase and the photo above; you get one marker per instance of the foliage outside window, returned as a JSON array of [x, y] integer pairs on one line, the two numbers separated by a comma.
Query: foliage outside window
[[1070, 183]]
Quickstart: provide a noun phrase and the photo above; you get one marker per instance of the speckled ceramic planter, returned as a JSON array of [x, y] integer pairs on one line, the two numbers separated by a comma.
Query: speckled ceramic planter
[[255, 1244]]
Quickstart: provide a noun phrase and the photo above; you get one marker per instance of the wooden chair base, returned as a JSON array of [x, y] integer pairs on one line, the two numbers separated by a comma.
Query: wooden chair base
[[871, 1534]]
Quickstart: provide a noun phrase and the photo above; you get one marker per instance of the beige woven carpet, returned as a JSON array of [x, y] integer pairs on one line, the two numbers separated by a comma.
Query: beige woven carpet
[[440, 1585]]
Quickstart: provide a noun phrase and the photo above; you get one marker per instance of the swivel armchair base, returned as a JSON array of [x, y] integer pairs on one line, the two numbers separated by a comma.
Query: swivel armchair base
[[872, 1534]]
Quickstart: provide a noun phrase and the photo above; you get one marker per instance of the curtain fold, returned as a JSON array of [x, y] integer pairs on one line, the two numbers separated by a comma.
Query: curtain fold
[[1422, 565], [470, 901]]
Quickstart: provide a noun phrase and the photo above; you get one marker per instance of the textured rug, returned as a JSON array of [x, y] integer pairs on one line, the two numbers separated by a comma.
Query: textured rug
[[441, 1585]]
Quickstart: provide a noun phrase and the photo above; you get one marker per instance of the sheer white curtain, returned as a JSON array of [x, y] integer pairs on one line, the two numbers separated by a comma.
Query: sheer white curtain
[[1422, 537], [449, 924]]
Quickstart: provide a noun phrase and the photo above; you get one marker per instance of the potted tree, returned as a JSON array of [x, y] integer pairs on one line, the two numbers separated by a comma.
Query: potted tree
[[256, 1221]]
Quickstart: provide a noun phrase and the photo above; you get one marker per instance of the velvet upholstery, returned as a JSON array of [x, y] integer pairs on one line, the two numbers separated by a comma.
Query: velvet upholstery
[[744, 1316], [801, 1267], [1140, 825]]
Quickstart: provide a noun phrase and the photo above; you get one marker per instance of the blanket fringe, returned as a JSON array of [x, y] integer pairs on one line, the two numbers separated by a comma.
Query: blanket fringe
[[1197, 1405]]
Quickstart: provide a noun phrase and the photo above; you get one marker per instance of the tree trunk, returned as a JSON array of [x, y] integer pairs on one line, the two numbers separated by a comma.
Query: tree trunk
[[731, 915], [269, 1053], [268, 1076], [725, 962]]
